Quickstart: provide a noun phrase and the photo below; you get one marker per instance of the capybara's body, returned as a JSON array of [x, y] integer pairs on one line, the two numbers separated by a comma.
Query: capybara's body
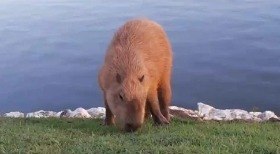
[[136, 75]]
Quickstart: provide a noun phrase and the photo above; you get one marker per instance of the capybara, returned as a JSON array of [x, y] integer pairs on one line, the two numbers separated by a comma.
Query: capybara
[[136, 75]]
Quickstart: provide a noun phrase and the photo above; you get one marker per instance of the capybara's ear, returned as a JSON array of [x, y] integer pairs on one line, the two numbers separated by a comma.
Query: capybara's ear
[[141, 79], [118, 78]]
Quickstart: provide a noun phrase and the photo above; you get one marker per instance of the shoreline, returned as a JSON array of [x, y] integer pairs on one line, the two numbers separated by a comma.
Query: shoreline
[[203, 113]]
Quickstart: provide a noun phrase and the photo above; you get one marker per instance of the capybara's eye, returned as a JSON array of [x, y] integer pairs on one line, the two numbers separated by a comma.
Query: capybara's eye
[[141, 79], [121, 97], [118, 77]]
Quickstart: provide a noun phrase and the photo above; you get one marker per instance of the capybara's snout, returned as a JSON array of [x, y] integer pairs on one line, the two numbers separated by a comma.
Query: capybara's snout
[[134, 117], [130, 127]]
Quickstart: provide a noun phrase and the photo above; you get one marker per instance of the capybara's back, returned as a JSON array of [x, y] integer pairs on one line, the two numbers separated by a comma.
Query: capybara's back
[[135, 77]]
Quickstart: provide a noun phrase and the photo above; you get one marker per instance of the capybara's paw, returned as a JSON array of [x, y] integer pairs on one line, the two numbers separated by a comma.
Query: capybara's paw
[[165, 121], [161, 120]]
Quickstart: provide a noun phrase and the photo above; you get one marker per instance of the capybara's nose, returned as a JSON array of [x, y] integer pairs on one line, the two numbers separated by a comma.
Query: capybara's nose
[[131, 127]]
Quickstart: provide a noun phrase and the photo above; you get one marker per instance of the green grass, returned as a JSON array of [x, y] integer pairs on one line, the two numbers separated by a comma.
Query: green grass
[[90, 136]]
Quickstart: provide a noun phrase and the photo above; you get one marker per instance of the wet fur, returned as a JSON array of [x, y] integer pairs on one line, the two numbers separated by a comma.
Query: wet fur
[[139, 48]]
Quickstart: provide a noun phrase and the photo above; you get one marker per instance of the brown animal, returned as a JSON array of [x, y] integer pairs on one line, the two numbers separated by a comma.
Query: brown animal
[[135, 77]]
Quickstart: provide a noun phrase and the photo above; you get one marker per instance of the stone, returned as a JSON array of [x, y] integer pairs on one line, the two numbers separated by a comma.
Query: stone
[[41, 114], [267, 115], [14, 114], [65, 113], [98, 112], [79, 113], [208, 112], [204, 109], [255, 114], [274, 119], [240, 114], [204, 112], [58, 114], [183, 113]]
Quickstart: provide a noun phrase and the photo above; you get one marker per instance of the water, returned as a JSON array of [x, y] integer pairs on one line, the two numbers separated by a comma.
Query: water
[[226, 53]]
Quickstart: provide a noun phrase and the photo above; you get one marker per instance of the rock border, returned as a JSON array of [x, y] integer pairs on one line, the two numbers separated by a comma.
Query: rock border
[[204, 113]]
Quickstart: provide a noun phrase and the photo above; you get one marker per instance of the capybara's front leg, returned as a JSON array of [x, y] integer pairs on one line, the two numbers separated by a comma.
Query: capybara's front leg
[[164, 95], [155, 109], [109, 117]]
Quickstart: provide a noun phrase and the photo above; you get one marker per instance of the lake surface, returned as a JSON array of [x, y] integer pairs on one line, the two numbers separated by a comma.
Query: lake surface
[[226, 53]]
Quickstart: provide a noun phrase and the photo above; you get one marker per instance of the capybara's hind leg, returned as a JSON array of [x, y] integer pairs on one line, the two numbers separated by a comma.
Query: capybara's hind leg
[[153, 104], [109, 117], [164, 95]]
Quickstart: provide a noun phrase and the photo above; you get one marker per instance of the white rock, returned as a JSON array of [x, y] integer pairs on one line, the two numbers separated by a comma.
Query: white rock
[[191, 112], [210, 113], [216, 114], [205, 112], [65, 113], [14, 114], [229, 114], [58, 114], [204, 109], [267, 115], [98, 112], [41, 114], [79, 113], [240, 114], [255, 114], [180, 112]]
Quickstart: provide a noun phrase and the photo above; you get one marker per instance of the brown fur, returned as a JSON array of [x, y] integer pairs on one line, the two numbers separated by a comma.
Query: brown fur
[[135, 77]]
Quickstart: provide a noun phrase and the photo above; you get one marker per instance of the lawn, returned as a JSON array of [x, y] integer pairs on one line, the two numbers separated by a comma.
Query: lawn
[[90, 136]]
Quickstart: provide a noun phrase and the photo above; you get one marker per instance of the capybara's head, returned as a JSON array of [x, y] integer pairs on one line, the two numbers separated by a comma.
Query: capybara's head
[[127, 100]]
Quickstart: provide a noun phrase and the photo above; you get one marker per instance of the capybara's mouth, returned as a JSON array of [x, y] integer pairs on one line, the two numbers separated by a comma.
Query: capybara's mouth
[[130, 127]]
